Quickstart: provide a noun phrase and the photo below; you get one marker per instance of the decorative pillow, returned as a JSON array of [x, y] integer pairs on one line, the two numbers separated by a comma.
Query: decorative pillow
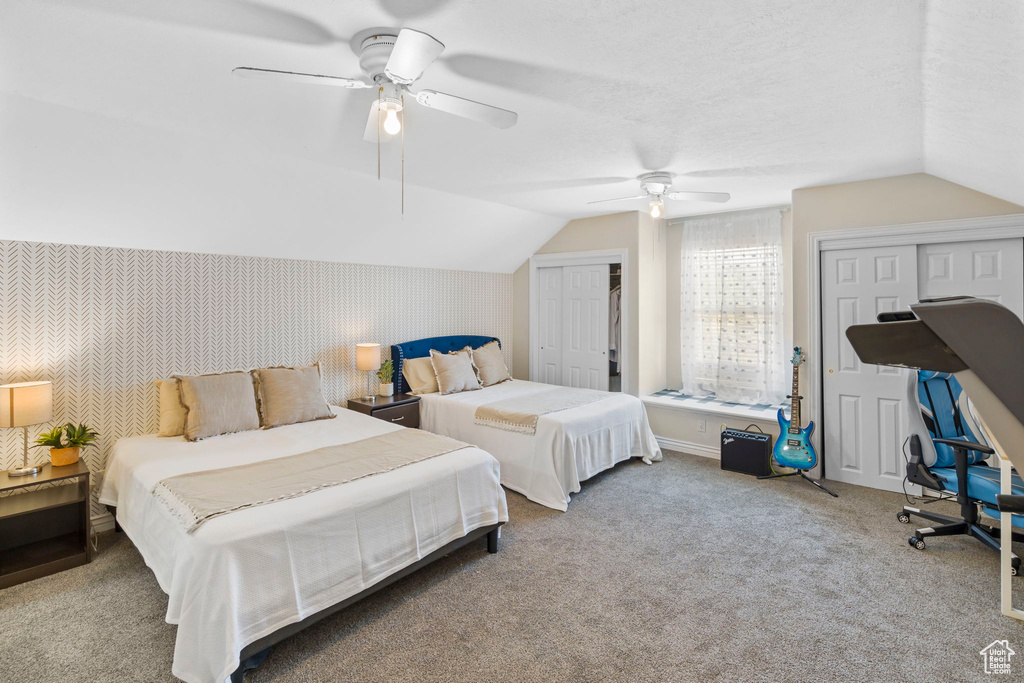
[[290, 395], [490, 365], [419, 373], [172, 412], [454, 371], [218, 404]]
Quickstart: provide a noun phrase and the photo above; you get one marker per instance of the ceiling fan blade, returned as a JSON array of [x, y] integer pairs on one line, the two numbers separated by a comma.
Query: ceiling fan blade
[[413, 53], [618, 199], [294, 77], [467, 109], [718, 197]]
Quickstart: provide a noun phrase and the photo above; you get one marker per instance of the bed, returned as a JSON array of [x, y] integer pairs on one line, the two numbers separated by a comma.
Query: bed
[[316, 553], [569, 446]]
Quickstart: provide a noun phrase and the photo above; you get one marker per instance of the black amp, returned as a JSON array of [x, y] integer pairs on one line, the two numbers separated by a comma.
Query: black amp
[[746, 452]]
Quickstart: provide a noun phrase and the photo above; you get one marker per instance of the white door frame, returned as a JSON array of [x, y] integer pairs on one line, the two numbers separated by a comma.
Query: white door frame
[[582, 258], [957, 230]]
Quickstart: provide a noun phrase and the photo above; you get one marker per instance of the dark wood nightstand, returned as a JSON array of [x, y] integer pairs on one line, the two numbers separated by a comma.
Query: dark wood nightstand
[[45, 531], [402, 409]]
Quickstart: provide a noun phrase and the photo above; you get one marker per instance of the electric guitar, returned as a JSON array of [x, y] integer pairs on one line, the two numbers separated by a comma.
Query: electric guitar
[[793, 448]]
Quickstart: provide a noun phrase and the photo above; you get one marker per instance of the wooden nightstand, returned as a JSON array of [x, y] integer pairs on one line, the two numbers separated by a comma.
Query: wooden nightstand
[[46, 531], [402, 409]]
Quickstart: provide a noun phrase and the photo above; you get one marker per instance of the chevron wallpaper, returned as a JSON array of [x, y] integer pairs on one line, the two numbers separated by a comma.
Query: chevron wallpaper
[[103, 323]]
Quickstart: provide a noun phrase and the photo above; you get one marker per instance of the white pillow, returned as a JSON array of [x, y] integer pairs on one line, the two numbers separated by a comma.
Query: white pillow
[[490, 365], [454, 371], [419, 373]]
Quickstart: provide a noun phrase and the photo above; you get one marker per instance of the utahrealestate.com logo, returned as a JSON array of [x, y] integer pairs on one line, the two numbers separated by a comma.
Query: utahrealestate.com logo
[[997, 657]]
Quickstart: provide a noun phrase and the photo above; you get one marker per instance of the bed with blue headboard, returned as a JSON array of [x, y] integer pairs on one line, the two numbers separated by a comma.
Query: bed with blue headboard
[[569, 445], [420, 348]]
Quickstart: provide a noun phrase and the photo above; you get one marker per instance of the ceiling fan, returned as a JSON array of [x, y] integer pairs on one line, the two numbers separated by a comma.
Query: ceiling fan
[[391, 61], [656, 185]]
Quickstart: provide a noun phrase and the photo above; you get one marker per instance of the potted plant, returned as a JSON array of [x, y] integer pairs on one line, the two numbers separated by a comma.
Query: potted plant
[[66, 442], [387, 369]]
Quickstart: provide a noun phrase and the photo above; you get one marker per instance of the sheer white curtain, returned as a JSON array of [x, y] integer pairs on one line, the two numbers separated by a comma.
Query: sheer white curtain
[[733, 335]]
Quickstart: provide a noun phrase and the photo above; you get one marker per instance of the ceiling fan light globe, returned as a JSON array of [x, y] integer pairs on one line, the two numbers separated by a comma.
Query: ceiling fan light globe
[[657, 206]]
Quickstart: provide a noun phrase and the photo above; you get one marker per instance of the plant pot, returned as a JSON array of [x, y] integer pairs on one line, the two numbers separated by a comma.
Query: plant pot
[[59, 457], [387, 389]]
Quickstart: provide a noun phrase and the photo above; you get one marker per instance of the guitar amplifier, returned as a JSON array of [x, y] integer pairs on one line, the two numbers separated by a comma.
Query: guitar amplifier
[[747, 452]]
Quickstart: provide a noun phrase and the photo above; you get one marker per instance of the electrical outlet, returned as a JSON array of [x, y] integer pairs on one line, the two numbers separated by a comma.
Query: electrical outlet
[[702, 426]]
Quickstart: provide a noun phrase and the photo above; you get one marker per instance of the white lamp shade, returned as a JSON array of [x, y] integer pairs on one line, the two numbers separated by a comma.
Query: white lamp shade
[[25, 403], [367, 356]]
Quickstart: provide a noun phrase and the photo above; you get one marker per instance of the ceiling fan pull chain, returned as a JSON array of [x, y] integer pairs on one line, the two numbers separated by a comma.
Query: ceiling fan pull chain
[[403, 154], [380, 94]]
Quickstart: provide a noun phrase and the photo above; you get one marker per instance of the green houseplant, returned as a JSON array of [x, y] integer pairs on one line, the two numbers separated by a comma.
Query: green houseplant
[[384, 376], [66, 442]]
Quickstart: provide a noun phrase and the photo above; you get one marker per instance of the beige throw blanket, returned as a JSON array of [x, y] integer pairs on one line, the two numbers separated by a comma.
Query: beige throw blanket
[[198, 496], [520, 414]]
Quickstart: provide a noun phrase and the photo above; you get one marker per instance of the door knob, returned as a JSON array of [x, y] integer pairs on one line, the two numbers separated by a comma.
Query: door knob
[[830, 371]]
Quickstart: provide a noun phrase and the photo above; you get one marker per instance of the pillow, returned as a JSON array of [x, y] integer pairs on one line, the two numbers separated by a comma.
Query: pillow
[[490, 365], [419, 373], [454, 371], [172, 412], [290, 395], [218, 404]]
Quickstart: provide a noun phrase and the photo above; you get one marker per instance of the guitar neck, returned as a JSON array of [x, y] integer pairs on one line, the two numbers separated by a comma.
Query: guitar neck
[[794, 414]]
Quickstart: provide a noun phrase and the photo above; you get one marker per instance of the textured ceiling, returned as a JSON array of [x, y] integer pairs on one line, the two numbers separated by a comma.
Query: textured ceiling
[[121, 123]]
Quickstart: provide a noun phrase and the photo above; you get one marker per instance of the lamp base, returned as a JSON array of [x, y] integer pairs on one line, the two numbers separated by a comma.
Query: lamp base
[[25, 471]]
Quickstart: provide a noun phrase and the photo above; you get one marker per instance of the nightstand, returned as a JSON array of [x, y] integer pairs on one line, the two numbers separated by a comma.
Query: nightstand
[[402, 409], [45, 531]]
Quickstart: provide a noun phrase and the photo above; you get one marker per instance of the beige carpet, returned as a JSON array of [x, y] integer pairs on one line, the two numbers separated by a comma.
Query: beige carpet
[[671, 572]]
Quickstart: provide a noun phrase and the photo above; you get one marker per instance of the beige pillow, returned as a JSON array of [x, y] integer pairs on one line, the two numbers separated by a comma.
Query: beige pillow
[[218, 404], [490, 365], [290, 395], [172, 412], [419, 373], [454, 371]]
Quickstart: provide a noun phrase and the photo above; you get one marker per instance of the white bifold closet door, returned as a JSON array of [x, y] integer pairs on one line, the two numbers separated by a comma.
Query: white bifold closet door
[[573, 333], [865, 406]]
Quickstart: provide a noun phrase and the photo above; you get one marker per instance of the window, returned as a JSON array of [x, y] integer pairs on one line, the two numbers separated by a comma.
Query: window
[[731, 317]]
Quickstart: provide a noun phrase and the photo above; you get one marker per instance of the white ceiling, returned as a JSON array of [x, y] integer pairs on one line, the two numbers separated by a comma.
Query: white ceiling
[[121, 123]]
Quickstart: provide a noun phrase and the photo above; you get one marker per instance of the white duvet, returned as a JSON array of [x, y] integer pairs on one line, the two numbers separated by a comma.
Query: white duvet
[[246, 574], [570, 446]]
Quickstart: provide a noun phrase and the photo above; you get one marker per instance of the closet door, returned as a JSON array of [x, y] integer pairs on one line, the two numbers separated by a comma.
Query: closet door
[[550, 328], [989, 269], [585, 326], [865, 409]]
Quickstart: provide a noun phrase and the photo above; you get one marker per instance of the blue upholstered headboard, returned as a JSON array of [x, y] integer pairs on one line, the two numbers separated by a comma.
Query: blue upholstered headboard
[[421, 347]]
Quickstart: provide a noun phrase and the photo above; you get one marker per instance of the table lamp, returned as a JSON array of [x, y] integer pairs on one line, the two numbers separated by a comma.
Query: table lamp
[[368, 359], [22, 405]]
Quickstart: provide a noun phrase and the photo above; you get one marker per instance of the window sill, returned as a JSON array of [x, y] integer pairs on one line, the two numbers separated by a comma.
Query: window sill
[[673, 400]]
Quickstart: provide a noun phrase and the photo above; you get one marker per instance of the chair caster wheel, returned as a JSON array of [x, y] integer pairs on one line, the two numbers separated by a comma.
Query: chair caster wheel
[[916, 542], [903, 517]]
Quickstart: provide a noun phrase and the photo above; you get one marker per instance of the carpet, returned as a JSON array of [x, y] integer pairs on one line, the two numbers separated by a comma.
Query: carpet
[[672, 572]]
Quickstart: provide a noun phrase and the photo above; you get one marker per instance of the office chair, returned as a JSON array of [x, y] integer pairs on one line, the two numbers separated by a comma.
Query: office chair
[[950, 460]]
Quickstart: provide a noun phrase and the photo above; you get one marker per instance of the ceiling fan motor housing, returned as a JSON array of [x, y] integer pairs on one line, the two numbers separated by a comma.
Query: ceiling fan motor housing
[[374, 54], [656, 183]]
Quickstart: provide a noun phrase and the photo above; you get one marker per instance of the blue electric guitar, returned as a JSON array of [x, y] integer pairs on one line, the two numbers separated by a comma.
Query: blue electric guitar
[[793, 448]]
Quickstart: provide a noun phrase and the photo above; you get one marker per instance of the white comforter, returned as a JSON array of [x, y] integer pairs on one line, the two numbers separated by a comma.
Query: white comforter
[[570, 446], [246, 574]]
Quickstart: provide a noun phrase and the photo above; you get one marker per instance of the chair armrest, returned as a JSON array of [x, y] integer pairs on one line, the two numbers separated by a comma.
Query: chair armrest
[[1008, 503], [964, 444]]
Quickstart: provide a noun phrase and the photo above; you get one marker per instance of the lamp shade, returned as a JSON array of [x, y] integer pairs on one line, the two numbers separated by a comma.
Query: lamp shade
[[367, 356], [25, 403]]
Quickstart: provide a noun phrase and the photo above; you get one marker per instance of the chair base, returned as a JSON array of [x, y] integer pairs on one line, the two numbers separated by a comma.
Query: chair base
[[953, 526]]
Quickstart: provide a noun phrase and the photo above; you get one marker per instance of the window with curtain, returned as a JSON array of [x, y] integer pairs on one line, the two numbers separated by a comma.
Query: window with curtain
[[733, 330]]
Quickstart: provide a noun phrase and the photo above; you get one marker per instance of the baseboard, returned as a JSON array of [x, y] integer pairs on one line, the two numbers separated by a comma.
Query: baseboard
[[103, 522], [686, 447]]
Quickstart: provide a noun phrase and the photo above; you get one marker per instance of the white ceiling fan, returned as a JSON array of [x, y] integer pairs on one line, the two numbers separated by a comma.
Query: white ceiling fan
[[391, 61], [656, 185]]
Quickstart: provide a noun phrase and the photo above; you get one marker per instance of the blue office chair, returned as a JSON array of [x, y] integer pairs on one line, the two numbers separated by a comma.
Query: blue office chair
[[951, 459]]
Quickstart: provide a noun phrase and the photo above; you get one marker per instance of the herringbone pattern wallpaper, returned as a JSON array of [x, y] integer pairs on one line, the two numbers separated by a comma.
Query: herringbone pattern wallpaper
[[103, 323]]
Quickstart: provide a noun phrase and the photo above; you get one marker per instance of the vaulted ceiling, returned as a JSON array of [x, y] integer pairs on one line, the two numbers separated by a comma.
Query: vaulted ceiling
[[120, 122]]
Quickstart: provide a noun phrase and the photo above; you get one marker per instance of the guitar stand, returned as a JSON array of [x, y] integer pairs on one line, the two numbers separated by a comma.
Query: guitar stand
[[801, 473]]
